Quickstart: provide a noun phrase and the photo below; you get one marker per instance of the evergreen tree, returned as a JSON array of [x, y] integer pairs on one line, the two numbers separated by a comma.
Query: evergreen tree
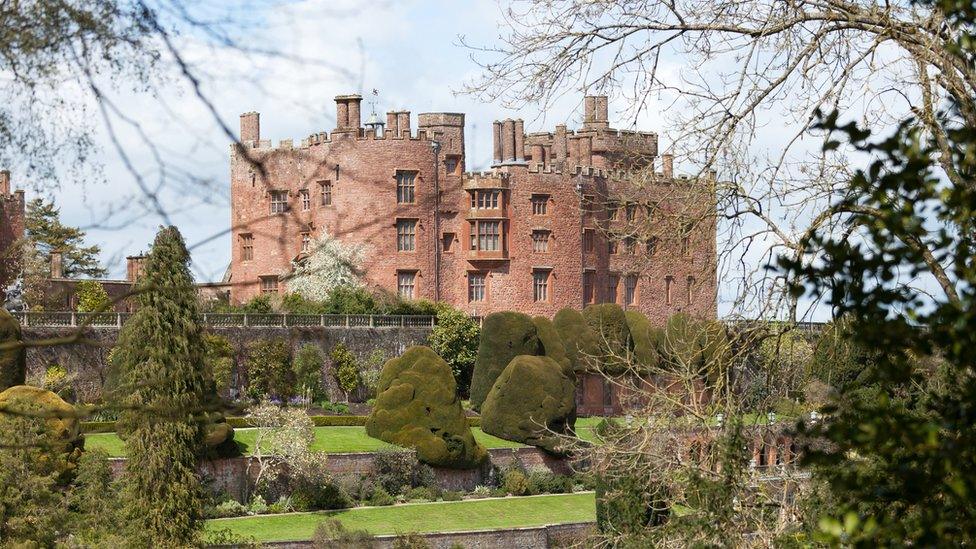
[[47, 233], [165, 395]]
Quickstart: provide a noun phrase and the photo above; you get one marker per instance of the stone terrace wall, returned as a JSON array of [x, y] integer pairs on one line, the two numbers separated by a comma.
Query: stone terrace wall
[[230, 475], [539, 537], [86, 354]]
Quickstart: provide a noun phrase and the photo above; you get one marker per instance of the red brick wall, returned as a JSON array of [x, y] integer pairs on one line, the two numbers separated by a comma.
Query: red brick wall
[[12, 212], [364, 212]]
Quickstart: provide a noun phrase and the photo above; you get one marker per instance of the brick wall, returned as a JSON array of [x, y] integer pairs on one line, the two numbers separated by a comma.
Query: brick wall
[[12, 213]]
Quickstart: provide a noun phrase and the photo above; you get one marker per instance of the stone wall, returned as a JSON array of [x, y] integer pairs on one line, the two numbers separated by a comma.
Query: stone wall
[[85, 354], [538, 537], [231, 475]]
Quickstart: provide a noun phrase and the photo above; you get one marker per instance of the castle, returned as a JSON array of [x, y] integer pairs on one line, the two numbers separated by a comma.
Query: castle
[[562, 219]]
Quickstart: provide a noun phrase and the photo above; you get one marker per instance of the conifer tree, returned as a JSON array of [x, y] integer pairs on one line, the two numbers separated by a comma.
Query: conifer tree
[[165, 394], [46, 232]]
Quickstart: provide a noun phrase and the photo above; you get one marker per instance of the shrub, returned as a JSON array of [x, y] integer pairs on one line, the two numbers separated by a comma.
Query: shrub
[[579, 339], [307, 366], [627, 505], [13, 359], [345, 370], [455, 337], [533, 401], [697, 346], [643, 337], [260, 304], [283, 505], [228, 508], [369, 376], [58, 381], [504, 336], [397, 469], [515, 483], [381, 498], [257, 506], [219, 359], [481, 491], [544, 481], [57, 416], [294, 303], [550, 344], [418, 407], [451, 495], [269, 369], [348, 300], [410, 541], [609, 323], [421, 493], [92, 296], [331, 533]]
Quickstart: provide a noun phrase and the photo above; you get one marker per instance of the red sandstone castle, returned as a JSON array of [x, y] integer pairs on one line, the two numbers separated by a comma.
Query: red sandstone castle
[[562, 219]]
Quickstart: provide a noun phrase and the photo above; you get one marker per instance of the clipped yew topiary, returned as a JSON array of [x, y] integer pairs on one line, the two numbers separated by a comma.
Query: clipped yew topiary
[[60, 421], [609, 323], [643, 337], [579, 340], [417, 407], [13, 357], [532, 401], [687, 344], [551, 345], [504, 336]]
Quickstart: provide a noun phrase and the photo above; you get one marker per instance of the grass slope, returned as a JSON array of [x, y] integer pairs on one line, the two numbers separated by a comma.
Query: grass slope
[[421, 517]]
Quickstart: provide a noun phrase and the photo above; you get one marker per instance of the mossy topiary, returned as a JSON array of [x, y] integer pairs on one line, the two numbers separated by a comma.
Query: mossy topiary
[[219, 440], [691, 345], [13, 357], [417, 407], [551, 344], [643, 337], [504, 336], [532, 402], [59, 418], [579, 340], [609, 323]]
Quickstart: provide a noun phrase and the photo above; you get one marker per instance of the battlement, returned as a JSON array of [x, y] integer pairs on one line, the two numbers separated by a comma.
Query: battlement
[[485, 180]]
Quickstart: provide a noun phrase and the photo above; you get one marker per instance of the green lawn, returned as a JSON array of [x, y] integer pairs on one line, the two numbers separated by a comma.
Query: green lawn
[[421, 517]]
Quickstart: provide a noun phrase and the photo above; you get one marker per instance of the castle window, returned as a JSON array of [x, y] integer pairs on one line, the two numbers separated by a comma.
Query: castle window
[[588, 240], [447, 242], [612, 245], [325, 189], [279, 202], [406, 235], [540, 284], [269, 284], [306, 242], [668, 282], [612, 283], [476, 287], [451, 164], [405, 187], [406, 284], [588, 277], [651, 245], [489, 236], [630, 289], [691, 288], [540, 204], [630, 245], [589, 203], [612, 208], [540, 241], [247, 247], [485, 200], [306, 200], [686, 239], [630, 211]]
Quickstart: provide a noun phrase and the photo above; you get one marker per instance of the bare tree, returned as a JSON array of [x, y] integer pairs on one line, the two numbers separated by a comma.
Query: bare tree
[[741, 82]]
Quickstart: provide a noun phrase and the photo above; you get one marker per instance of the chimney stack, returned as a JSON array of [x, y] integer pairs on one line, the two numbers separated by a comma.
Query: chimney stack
[[519, 138], [403, 123], [391, 125], [667, 167], [133, 267], [348, 117], [250, 127], [4, 182], [57, 264], [595, 112], [496, 133]]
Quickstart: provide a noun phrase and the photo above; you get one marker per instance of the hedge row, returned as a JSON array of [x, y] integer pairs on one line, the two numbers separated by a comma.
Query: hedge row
[[240, 422]]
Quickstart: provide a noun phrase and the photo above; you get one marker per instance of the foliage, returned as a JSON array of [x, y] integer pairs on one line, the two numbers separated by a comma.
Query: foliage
[[381, 498], [897, 454], [269, 371], [331, 533], [283, 438], [696, 346], [580, 341], [533, 402], [642, 336], [165, 394], [312, 485], [398, 470], [504, 336], [455, 338], [410, 541], [92, 297], [418, 407], [345, 369], [44, 228], [609, 323], [515, 482], [58, 381], [371, 371], [219, 359], [551, 344], [350, 300], [13, 356], [259, 304], [308, 364], [330, 264]]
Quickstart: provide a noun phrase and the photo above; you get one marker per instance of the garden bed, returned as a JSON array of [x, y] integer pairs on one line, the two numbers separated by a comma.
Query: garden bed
[[492, 513]]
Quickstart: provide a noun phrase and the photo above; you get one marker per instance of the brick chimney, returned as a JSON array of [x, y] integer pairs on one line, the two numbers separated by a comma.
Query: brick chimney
[[133, 267], [348, 117], [250, 127], [4, 182], [57, 264], [595, 112], [667, 165]]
